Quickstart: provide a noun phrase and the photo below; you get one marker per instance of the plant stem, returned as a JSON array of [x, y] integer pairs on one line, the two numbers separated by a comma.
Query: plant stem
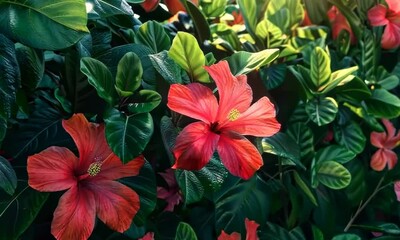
[[362, 206]]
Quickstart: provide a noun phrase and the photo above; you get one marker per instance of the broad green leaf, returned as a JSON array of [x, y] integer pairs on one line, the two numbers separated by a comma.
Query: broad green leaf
[[8, 178], [213, 9], [272, 231], [339, 78], [153, 35], [186, 52], [273, 76], [56, 24], [129, 75], [354, 91], [367, 62], [128, 135], [226, 33], [33, 66], [107, 8], [303, 136], [316, 10], [322, 110], [320, 69], [22, 208], [303, 186], [199, 21], [244, 62], [145, 186], [350, 136], [335, 153], [286, 14], [317, 233], [280, 17], [358, 189], [346, 236], [284, 146], [312, 32], [269, 34], [333, 174], [245, 199], [100, 78], [185, 232], [302, 75], [386, 80], [389, 228], [167, 68], [191, 187], [144, 101], [383, 104], [9, 76]]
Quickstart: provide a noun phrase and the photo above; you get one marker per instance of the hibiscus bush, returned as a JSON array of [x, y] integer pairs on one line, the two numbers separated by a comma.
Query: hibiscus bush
[[208, 119]]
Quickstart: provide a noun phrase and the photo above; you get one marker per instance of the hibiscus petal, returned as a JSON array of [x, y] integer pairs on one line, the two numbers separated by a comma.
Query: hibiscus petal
[[112, 168], [116, 204], [391, 36], [391, 158], [378, 160], [234, 92], [378, 139], [75, 215], [150, 5], [232, 236], [239, 155], [251, 229], [89, 138], [193, 100], [194, 146], [52, 169], [377, 15], [394, 5], [397, 190], [259, 120]]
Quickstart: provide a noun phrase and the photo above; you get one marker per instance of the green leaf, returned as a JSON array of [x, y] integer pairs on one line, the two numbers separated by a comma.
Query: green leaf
[[108, 8], [167, 68], [335, 153], [145, 186], [346, 236], [153, 35], [128, 135], [144, 101], [272, 231], [350, 136], [358, 188], [322, 110], [8, 178], [269, 34], [185, 232], [185, 51], [339, 77], [333, 174], [386, 80], [303, 136], [389, 228], [303, 186], [190, 185], [320, 68], [285, 14], [213, 9], [245, 199], [383, 104], [22, 208], [199, 21], [33, 66], [316, 10], [284, 146], [129, 74], [100, 78], [302, 75], [317, 233], [244, 62], [273, 76], [355, 91], [56, 24]]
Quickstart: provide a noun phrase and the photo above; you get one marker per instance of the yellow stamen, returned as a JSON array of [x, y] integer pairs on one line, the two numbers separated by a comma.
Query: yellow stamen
[[94, 169], [233, 114]]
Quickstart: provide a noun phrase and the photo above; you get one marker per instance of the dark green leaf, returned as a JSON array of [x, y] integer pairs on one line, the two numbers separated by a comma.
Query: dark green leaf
[[322, 110], [317, 233], [303, 186], [389, 228], [190, 185], [356, 91], [167, 68], [153, 35], [284, 146], [303, 136], [383, 104], [335, 153], [199, 21], [129, 74], [144, 101], [106, 8], [333, 174], [128, 135], [17, 212], [100, 78], [320, 69], [33, 66], [273, 231], [56, 24], [8, 178], [273, 76], [186, 52], [316, 10], [244, 62], [346, 236], [185, 232], [351, 137]]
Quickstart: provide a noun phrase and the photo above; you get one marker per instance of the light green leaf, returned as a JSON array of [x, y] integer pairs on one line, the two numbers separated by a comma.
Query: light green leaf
[[350, 136], [339, 78], [244, 62], [333, 174], [185, 232], [100, 78], [56, 24], [186, 52], [320, 69], [322, 110], [153, 35], [129, 135], [213, 8], [335, 153], [129, 74]]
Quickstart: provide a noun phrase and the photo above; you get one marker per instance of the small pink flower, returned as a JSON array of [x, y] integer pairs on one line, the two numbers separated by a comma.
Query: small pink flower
[[172, 195], [251, 232], [380, 15], [385, 141]]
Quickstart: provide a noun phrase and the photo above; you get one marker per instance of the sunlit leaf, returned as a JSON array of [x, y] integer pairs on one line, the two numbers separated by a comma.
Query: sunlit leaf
[[244, 62], [153, 35], [333, 174], [129, 74], [322, 110]]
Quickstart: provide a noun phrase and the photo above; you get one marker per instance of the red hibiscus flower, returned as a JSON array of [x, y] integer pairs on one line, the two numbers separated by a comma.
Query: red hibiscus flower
[[251, 232], [381, 15], [172, 195], [222, 125], [339, 23], [89, 179], [385, 141], [150, 5]]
